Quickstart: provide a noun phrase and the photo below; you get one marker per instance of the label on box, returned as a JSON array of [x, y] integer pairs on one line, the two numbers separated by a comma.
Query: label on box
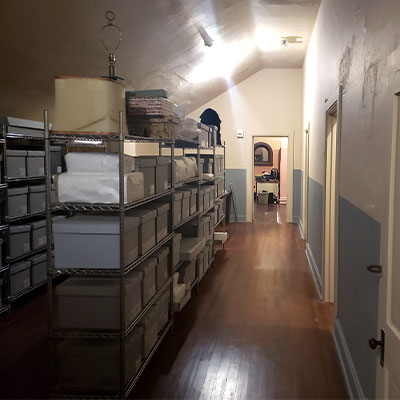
[[59, 170]]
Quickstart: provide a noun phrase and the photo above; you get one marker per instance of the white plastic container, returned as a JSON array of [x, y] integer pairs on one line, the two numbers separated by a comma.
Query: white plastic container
[[94, 303]]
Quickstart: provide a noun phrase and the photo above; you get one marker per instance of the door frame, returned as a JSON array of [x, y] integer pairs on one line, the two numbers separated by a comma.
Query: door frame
[[330, 272], [305, 181], [290, 168]]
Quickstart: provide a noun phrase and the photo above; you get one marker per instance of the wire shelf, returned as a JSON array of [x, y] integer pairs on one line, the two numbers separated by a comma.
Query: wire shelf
[[22, 136], [28, 290], [186, 182], [3, 228], [4, 269], [107, 207], [27, 255], [219, 221], [186, 220], [4, 308], [27, 216], [3, 185], [194, 283], [25, 178]]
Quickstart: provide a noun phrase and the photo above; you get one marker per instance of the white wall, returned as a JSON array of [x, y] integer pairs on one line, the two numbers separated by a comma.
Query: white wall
[[269, 102]]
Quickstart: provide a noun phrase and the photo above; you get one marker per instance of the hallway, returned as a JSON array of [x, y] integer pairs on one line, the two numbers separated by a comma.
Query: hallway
[[256, 330]]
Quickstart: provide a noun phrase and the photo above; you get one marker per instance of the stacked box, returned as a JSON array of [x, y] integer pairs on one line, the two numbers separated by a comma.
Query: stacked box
[[148, 272], [201, 266], [201, 200], [193, 229], [193, 201], [162, 257], [95, 241], [20, 240], [191, 247], [38, 234], [207, 195], [55, 160], [176, 245], [17, 202], [89, 295], [187, 273], [213, 194], [162, 305], [150, 331], [177, 204], [38, 269], [37, 198], [185, 203], [16, 163], [20, 277], [35, 163], [161, 219], [147, 228], [147, 165]]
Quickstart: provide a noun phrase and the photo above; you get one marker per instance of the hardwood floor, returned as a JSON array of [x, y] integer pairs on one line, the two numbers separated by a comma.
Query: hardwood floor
[[255, 331]]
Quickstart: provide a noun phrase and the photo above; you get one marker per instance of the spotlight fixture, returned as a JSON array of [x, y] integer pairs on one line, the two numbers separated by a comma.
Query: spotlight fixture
[[208, 41]]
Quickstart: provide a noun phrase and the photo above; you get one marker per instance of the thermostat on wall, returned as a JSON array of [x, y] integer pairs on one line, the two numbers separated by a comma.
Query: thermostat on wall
[[240, 134]]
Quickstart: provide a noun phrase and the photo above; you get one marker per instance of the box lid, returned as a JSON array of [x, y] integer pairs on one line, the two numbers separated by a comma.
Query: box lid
[[99, 224], [55, 148], [161, 208], [190, 247], [144, 214], [163, 160], [17, 153], [38, 224], [36, 153], [89, 287], [177, 196], [38, 259], [19, 267], [147, 267], [185, 193], [17, 191], [37, 189], [20, 228], [56, 218], [193, 191], [145, 162]]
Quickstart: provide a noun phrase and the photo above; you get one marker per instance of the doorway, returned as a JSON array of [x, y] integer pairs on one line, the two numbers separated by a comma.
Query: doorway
[[331, 205], [272, 171]]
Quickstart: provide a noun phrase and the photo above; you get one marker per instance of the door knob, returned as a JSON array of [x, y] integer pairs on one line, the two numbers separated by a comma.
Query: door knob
[[373, 343]]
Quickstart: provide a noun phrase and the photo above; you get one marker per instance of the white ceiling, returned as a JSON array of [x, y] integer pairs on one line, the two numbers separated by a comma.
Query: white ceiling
[[161, 44]]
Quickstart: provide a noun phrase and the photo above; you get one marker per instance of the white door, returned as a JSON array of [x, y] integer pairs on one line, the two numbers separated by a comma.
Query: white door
[[388, 383], [330, 208]]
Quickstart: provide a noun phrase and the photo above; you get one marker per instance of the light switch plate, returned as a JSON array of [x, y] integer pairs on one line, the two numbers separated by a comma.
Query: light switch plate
[[240, 134]]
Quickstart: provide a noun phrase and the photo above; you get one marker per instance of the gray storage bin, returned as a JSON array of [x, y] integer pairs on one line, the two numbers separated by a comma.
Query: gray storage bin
[[193, 201], [193, 229], [147, 165], [20, 240], [177, 201], [207, 226], [38, 269], [163, 167], [201, 200], [94, 303], [148, 271], [37, 199], [93, 365], [161, 219], [213, 216], [185, 203], [16, 163], [191, 247], [20, 277], [93, 242], [162, 305], [176, 246], [187, 273], [38, 234], [55, 160], [213, 192], [35, 163], [162, 257], [17, 202], [200, 264], [147, 228], [150, 331], [207, 195]]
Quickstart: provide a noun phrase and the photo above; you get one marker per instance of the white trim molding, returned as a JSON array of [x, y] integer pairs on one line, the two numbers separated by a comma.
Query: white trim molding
[[349, 370], [314, 270]]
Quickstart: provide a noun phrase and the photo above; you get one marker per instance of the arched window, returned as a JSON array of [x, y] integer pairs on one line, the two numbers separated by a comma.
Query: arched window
[[263, 154]]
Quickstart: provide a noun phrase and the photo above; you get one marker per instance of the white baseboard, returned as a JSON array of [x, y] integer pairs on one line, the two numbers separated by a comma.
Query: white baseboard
[[349, 371], [283, 200], [314, 270]]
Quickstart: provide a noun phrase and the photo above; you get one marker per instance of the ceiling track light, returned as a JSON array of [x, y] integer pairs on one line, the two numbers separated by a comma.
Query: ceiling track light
[[208, 40]]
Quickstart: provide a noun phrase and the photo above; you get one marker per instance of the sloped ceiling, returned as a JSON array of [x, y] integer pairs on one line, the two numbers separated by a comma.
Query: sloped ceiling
[[161, 44]]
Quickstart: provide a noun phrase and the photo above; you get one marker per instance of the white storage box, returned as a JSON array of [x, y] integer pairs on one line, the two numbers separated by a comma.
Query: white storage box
[[16, 163], [150, 331], [94, 303], [97, 163], [38, 269], [162, 305], [148, 272], [20, 240], [38, 234], [185, 203], [93, 242], [99, 188], [177, 201], [147, 228], [20, 277], [93, 365], [37, 198], [191, 247], [35, 163], [87, 105], [162, 257], [176, 248], [187, 273], [147, 165], [193, 201], [17, 201]]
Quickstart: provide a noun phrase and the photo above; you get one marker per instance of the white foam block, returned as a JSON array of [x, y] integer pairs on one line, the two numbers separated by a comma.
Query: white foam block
[[99, 188], [97, 163]]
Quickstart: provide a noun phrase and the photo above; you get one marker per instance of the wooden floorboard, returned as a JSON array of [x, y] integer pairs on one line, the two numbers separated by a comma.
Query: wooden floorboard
[[256, 330]]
